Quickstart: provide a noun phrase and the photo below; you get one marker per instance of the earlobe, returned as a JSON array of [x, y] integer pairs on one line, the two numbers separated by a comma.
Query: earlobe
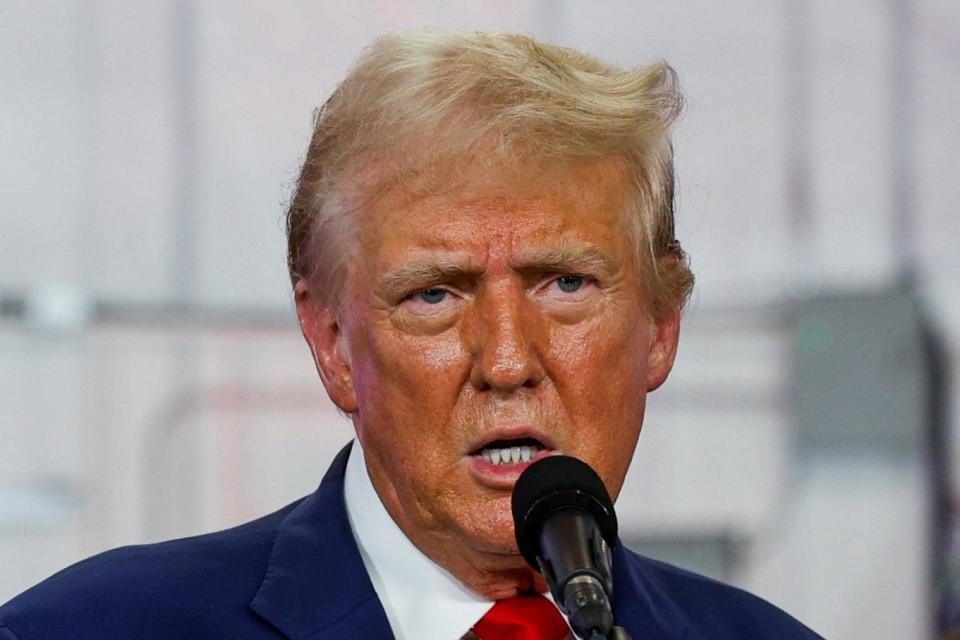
[[322, 331], [663, 347]]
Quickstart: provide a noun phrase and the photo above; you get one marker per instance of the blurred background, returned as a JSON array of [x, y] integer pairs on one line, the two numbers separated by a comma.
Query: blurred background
[[153, 382]]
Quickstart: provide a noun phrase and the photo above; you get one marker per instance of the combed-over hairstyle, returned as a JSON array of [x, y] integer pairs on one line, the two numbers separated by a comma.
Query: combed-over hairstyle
[[415, 104]]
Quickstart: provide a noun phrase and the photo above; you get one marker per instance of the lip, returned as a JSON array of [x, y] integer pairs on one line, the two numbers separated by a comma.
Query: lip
[[503, 476]]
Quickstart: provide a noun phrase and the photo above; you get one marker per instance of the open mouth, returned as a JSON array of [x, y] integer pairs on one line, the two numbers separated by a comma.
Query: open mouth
[[513, 451]]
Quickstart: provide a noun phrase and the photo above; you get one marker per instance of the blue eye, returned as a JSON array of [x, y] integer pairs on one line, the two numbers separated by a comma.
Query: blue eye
[[433, 296], [569, 284]]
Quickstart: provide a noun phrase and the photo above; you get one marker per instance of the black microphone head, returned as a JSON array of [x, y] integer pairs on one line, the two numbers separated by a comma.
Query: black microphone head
[[551, 484]]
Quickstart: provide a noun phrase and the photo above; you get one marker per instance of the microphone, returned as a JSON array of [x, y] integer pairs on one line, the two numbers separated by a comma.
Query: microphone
[[565, 527]]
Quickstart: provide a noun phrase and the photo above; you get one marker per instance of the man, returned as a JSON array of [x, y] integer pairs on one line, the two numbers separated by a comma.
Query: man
[[485, 269]]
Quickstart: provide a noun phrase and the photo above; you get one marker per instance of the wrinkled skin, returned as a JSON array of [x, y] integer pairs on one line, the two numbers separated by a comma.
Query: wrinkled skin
[[536, 321]]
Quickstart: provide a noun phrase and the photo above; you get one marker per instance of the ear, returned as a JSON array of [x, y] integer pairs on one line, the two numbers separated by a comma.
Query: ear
[[327, 342], [663, 347]]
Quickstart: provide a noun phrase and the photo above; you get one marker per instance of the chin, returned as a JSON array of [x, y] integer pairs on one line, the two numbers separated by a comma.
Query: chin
[[507, 584], [498, 542], [493, 535]]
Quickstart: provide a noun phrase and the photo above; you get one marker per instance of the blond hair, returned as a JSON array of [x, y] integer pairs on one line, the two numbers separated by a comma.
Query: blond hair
[[414, 102]]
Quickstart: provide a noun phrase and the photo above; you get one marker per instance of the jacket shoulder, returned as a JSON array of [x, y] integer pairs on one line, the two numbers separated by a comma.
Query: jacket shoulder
[[135, 591], [709, 609]]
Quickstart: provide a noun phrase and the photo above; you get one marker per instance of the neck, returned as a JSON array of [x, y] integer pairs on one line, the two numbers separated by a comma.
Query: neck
[[491, 573]]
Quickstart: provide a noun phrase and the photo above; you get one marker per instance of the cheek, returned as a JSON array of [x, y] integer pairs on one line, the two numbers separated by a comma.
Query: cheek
[[409, 383], [600, 375], [602, 361], [387, 356]]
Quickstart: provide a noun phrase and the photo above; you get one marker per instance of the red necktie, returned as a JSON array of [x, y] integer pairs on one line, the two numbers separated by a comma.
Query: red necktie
[[528, 616]]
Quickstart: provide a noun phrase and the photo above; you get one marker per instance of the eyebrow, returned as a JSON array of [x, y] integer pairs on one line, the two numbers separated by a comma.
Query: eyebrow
[[424, 271], [568, 258]]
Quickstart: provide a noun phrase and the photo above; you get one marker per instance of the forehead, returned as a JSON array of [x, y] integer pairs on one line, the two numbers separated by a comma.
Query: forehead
[[484, 210]]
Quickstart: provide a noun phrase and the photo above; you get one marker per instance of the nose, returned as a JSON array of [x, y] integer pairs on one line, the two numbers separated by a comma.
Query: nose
[[505, 337]]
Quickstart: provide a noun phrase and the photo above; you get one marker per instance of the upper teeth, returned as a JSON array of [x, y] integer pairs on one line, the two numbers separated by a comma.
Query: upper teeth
[[510, 455]]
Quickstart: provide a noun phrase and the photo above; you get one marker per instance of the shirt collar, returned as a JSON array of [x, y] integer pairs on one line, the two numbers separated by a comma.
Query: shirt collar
[[416, 593]]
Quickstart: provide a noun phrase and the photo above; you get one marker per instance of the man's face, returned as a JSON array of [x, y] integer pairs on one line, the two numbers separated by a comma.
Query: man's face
[[487, 321]]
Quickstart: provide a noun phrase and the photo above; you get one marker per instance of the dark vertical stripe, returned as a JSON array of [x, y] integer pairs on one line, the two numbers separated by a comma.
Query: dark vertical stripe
[[185, 212], [797, 133], [902, 163]]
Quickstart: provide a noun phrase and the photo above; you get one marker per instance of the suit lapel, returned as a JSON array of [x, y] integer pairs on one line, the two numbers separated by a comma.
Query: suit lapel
[[636, 607], [316, 585]]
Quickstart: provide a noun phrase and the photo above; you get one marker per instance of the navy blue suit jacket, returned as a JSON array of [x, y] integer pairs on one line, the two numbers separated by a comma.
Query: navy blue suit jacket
[[297, 573]]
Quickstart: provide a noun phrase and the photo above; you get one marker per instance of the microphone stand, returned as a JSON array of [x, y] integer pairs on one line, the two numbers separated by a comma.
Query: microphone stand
[[616, 633]]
